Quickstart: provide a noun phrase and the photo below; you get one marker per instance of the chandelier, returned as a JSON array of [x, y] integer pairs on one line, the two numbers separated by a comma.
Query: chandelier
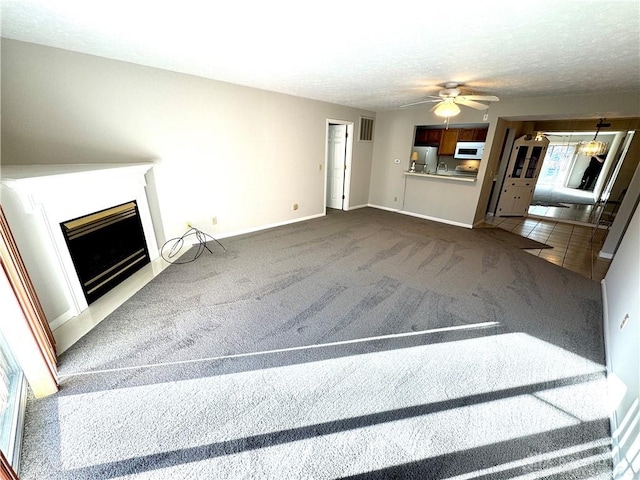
[[594, 147]]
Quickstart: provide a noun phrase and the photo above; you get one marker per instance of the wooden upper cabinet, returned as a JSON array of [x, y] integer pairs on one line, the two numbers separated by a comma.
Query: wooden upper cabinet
[[472, 135], [426, 137], [466, 134], [480, 134], [448, 142]]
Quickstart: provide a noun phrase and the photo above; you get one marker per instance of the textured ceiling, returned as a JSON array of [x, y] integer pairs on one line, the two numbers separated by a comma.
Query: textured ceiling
[[372, 55]]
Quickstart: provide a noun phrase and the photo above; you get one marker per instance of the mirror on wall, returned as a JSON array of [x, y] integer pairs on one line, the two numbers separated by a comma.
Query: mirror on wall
[[576, 187], [567, 188]]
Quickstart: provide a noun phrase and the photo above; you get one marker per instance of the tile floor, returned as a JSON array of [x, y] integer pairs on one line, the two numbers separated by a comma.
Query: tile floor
[[572, 245], [572, 212]]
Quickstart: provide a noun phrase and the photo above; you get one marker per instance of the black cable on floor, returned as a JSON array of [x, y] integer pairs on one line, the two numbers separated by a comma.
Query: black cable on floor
[[178, 243]]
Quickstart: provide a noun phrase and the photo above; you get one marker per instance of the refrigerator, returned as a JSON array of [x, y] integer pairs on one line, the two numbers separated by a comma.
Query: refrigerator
[[427, 159]]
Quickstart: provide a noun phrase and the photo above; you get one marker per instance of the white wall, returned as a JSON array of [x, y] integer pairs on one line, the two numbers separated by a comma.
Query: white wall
[[444, 199], [624, 214], [621, 290], [240, 154], [459, 203]]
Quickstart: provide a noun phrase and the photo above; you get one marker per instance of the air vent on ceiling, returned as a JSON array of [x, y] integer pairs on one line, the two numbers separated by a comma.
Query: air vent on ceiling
[[366, 129]]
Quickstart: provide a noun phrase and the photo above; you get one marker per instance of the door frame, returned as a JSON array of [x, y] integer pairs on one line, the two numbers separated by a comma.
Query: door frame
[[29, 335], [347, 161]]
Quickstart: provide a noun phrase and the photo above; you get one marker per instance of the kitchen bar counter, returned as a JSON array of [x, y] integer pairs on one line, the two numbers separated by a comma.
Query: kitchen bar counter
[[445, 176]]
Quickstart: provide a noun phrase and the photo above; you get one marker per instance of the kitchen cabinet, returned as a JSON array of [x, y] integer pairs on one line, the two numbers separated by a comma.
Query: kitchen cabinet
[[480, 134], [448, 142], [466, 134], [427, 137], [472, 134], [446, 139]]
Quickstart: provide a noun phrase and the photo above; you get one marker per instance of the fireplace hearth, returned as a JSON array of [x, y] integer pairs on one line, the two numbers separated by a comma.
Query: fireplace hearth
[[106, 247]]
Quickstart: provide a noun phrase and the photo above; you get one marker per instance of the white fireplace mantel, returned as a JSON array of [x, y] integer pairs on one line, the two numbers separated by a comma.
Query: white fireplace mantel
[[37, 198]]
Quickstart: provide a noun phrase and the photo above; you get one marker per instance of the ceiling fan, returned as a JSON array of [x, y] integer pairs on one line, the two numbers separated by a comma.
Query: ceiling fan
[[448, 98]]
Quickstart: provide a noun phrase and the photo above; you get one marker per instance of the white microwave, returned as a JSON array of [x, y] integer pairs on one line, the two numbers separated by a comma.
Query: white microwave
[[469, 150]]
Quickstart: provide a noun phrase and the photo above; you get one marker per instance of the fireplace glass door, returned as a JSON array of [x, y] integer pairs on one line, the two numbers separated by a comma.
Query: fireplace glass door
[[106, 247]]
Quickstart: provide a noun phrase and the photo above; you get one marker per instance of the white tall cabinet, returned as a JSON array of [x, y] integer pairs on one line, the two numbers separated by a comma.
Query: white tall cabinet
[[522, 173]]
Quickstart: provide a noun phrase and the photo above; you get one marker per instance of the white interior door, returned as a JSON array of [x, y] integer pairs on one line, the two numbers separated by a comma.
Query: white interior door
[[336, 165]]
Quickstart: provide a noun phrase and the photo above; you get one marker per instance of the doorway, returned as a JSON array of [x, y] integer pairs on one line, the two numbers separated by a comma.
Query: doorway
[[338, 164]]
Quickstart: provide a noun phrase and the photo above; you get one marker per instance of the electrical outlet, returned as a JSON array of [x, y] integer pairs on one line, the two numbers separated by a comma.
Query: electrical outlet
[[214, 220], [395, 199], [295, 206]]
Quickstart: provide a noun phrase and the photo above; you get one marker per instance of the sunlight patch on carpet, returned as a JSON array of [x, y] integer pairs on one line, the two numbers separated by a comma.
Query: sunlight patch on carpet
[[418, 402]]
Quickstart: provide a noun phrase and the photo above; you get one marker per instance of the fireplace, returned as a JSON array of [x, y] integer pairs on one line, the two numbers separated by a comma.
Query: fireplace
[[42, 201], [106, 247]]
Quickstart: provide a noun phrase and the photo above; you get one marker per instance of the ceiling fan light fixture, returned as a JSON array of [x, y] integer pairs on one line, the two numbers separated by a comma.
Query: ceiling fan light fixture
[[447, 109]]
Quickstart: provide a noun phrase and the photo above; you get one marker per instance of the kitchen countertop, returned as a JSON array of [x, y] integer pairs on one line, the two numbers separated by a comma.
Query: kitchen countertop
[[459, 177]]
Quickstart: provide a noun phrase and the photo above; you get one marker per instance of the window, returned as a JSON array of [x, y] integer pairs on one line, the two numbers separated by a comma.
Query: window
[[557, 164]]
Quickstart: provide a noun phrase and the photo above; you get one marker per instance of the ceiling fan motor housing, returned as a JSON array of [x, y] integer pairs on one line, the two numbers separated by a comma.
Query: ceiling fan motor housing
[[449, 92]]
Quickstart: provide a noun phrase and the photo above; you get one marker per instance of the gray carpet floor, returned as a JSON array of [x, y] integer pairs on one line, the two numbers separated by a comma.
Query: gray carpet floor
[[364, 344]]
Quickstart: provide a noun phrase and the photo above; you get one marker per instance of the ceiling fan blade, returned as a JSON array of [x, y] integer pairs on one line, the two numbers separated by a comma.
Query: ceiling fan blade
[[482, 98], [470, 103], [421, 102]]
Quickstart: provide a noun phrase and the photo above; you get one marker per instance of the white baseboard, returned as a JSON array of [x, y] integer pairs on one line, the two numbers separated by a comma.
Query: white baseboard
[[265, 227], [192, 239], [425, 217], [355, 207], [380, 207], [61, 319]]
